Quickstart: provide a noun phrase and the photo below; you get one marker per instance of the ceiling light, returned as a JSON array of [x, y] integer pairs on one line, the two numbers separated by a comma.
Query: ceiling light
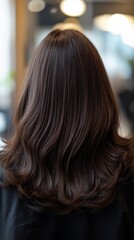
[[53, 10], [36, 5], [117, 24], [73, 8]]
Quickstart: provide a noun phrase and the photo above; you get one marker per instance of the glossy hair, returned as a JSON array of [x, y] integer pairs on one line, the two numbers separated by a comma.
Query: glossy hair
[[66, 151]]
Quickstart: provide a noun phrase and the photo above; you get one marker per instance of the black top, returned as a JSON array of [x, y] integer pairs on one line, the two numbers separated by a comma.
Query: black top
[[114, 222]]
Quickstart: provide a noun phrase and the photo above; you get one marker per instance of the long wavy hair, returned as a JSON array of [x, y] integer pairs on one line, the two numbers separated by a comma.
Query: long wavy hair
[[66, 152]]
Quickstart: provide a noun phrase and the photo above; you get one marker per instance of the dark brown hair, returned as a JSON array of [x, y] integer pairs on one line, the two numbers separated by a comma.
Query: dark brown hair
[[66, 151]]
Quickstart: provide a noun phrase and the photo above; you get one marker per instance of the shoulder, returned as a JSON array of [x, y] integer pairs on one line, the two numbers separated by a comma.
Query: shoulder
[[8, 207], [8, 195], [126, 192]]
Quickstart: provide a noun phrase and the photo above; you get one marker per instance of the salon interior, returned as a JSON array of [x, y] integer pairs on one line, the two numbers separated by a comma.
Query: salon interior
[[109, 24]]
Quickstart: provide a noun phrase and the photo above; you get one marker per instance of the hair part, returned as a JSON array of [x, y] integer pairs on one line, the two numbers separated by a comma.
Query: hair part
[[66, 151]]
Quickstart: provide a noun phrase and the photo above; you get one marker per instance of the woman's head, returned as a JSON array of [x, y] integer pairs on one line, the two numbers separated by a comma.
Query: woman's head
[[66, 149]]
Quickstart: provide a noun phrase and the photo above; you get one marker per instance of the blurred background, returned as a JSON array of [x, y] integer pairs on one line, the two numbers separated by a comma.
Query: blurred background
[[109, 24]]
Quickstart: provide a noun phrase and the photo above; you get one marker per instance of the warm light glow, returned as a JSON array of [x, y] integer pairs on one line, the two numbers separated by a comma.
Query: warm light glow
[[69, 23], [64, 26], [117, 24], [73, 8], [36, 5]]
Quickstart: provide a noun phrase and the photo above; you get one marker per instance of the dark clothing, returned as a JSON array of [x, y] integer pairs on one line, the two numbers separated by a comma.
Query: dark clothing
[[115, 222]]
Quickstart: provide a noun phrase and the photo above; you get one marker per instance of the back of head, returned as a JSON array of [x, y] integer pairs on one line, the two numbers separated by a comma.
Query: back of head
[[68, 92], [66, 149]]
